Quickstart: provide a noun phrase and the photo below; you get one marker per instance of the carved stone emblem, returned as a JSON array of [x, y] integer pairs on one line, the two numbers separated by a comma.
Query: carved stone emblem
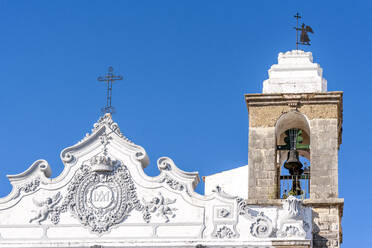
[[101, 195]]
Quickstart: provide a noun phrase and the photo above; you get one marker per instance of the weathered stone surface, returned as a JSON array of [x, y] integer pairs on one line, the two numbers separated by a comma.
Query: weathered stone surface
[[261, 158], [324, 158], [326, 222]]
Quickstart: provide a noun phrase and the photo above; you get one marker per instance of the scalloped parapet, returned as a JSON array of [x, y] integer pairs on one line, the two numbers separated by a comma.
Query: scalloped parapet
[[295, 73], [103, 198]]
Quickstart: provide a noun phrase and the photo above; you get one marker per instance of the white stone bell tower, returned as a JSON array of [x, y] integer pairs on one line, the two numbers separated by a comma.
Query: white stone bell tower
[[295, 101]]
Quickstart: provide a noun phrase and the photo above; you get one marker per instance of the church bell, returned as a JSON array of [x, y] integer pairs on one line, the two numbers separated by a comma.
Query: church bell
[[293, 164]]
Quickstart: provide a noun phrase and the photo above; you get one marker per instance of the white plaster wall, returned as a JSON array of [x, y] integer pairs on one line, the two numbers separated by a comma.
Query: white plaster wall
[[295, 73], [233, 182]]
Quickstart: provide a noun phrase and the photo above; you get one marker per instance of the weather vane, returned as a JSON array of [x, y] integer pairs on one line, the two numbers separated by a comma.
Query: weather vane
[[304, 37], [109, 78]]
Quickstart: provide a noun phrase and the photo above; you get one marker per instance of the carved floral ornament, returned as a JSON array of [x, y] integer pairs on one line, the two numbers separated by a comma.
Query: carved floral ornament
[[101, 195], [291, 220], [28, 187], [225, 232]]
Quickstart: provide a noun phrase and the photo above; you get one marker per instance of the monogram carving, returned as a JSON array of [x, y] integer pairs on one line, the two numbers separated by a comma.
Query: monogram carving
[[101, 195]]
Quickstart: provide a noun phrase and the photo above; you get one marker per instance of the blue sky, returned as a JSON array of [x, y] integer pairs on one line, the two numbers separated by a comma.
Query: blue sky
[[186, 68]]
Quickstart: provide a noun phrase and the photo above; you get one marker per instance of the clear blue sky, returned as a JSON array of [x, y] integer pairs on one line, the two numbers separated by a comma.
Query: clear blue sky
[[187, 65]]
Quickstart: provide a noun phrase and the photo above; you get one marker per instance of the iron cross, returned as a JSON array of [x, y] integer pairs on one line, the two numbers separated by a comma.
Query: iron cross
[[109, 78], [297, 16]]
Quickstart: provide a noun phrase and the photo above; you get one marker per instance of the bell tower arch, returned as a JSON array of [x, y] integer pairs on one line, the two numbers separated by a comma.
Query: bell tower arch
[[292, 132]]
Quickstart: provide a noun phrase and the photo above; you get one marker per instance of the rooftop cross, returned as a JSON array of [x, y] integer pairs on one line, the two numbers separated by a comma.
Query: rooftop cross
[[109, 78], [304, 37]]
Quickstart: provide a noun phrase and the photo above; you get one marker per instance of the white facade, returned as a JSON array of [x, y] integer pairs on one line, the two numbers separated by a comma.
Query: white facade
[[233, 182], [295, 73], [103, 198]]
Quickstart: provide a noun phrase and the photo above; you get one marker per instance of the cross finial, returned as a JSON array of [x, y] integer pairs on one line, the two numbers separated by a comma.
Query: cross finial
[[297, 16], [109, 78]]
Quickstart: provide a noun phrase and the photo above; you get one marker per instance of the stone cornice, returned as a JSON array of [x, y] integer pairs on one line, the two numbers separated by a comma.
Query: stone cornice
[[323, 202], [258, 100], [306, 202]]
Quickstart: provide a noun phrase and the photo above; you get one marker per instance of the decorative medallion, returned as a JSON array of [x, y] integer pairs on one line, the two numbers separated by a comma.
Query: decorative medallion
[[101, 195]]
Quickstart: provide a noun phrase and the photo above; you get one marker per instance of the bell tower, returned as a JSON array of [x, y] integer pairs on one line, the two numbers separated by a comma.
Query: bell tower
[[295, 131]]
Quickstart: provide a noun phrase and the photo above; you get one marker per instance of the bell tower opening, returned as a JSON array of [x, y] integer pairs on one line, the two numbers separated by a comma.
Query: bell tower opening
[[294, 172], [293, 155]]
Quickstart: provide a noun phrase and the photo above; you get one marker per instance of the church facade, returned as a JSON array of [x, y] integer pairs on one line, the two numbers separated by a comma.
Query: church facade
[[103, 198]]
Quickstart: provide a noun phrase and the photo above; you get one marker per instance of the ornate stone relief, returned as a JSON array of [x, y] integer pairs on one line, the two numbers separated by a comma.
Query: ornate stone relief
[[28, 187], [290, 231], [105, 140], [45, 208], [67, 157], [291, 219], [172, 183], [160, 206], [224, 231], [243, 208], [223, 213], [262, 226], [106, 119], [101, 195]]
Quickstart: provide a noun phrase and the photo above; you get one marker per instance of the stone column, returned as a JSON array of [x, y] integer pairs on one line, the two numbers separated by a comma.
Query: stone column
[[261, 163]]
